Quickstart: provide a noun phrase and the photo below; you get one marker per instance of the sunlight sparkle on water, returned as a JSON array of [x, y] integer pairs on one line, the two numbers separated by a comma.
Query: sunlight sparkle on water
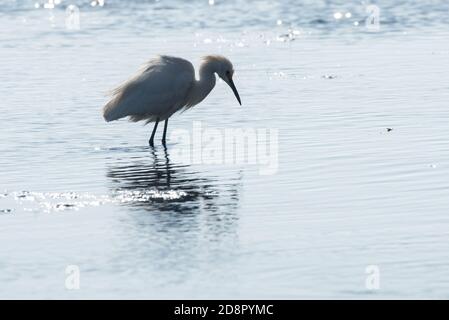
[[338, 15]]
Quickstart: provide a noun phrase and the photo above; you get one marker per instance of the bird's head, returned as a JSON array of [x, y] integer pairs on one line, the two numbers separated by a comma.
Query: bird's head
[[224, 69]]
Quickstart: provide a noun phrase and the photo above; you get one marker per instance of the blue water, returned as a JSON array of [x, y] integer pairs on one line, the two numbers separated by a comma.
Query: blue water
[[357, 174]]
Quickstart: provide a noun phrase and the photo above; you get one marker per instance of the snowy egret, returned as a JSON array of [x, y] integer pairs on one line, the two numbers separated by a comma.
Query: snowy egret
[[164, 86]]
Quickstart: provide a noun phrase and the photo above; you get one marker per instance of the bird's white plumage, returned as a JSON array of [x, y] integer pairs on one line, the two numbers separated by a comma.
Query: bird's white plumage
[[157, 91], [165, 85]]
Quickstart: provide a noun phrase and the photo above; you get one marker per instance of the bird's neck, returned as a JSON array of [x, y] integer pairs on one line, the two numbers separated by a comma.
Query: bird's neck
[[204, 85]]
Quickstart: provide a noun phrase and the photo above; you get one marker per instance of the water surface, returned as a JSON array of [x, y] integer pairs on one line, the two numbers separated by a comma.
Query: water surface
[[362, 153]]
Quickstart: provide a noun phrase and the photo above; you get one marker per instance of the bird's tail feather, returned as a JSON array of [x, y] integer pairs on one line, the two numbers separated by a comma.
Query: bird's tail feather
[[111, 111]]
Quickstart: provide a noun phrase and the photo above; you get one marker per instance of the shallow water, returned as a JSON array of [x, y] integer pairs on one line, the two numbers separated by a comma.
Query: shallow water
[[358, 170]]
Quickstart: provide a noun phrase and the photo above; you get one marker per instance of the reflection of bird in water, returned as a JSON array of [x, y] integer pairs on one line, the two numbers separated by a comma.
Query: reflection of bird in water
[[173, 218], [161, 185], [165, 86]]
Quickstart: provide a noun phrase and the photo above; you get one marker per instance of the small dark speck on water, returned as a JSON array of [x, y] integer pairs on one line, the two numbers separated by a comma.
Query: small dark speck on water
[[329, 76], [5, 211], [64, 205], [389, 129], [23, 194], [318, 21]]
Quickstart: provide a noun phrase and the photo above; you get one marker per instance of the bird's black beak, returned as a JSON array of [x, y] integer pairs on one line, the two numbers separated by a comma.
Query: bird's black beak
[[234, 89]]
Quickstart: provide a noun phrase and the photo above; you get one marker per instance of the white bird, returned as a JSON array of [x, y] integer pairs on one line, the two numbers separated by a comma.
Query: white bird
[[164, 86]]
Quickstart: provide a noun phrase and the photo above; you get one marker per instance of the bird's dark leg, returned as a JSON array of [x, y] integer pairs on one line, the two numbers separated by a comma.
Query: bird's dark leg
[[151, 142], [165, 131]]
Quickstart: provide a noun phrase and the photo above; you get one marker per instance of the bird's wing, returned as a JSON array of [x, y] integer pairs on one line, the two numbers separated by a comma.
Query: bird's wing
[[157, 90]]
